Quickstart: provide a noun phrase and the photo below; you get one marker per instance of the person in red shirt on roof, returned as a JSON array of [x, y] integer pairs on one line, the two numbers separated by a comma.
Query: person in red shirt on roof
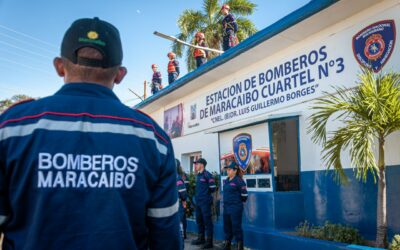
[[173, 67], [199, 54]]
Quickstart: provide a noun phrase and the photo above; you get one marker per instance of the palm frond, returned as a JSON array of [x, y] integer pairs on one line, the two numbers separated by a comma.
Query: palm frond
[[211, 9], [178, 48], [368, 112], [325, 108], [241, 7], [191, 21], [246, 28], [361, 149], [190, 60], [208, 21]]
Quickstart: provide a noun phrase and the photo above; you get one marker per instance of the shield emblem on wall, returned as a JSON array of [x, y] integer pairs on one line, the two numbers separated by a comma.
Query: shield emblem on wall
[[373, 45], [242, 147]]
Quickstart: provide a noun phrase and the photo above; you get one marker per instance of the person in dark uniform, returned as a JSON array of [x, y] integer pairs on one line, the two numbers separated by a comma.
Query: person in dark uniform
[[173, 68], [156, 80], [205, 185], [229, 29], [79, 169], [182, 178], [182, 194], [234, 195], [199, 54]]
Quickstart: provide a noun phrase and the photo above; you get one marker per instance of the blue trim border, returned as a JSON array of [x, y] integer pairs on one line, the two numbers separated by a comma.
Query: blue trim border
[[313, 7]]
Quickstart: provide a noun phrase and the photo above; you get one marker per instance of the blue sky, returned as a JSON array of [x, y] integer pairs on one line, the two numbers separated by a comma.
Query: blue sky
[[31, 33]]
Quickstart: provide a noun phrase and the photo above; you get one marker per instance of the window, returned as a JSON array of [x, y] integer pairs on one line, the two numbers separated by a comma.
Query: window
[[257, 169], [285, 154]]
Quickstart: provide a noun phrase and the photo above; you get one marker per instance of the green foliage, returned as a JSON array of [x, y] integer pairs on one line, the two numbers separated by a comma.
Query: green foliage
[[329, 231], [6, 103], [191, 189], [208, 21], [395, 244], [369, 112]]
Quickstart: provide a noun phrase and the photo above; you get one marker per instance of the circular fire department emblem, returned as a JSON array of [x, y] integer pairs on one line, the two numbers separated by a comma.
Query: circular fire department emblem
[[374, 44], [243, 151], [374, 47]]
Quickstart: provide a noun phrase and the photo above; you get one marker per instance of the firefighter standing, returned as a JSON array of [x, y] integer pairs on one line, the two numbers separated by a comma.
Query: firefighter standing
[[199, 54], [205, 185], [229, 29], [173, 67], [182, 194], [156, 81], [79, 169], [234, 195], [185, 180]]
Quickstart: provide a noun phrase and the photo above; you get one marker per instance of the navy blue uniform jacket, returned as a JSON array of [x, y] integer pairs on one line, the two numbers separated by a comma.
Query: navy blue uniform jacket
[[205, 185], [80, 170], [234, 193]]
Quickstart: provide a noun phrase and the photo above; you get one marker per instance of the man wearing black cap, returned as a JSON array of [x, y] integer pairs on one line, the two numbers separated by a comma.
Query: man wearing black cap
[[205, 185], [79, 170]]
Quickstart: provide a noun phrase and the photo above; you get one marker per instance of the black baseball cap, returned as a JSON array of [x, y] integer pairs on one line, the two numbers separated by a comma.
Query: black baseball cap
[[202, 161], [93, 33], [233, 165]]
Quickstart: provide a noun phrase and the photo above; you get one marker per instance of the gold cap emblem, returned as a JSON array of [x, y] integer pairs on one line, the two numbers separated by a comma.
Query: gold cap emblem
[[92, 35]]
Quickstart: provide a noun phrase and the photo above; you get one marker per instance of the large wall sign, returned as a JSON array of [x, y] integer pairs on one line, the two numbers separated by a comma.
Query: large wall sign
[[373, 45], [302, 76]]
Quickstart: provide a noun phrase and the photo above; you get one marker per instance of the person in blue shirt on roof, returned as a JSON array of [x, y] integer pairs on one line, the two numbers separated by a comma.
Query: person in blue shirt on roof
[[229, 28], [156, 80], [234, 195], [205, 185], [80, 170]]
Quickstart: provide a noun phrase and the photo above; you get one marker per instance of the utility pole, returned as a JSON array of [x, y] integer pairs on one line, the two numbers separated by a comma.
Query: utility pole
[[144, 90]]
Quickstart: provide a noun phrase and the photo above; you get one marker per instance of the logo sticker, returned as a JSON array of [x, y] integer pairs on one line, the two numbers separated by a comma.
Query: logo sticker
[[373, 45], [242, 147], [193, 111]]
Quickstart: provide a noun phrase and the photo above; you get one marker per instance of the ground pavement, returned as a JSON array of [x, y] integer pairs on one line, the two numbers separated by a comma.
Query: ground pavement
[[217, 244]]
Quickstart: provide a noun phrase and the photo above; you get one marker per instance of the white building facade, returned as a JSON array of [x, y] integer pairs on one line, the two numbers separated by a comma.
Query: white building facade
[[257, 97]]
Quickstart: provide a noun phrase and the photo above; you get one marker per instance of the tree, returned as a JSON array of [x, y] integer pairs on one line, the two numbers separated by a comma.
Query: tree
[[6, 103], [208, 21], [370, 112]]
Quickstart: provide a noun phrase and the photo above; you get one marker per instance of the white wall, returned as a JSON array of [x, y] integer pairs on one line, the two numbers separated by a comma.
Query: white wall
[[207, 144]]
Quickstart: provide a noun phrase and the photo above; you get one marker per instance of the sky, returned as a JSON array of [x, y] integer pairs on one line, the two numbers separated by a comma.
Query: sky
[[31, 33]]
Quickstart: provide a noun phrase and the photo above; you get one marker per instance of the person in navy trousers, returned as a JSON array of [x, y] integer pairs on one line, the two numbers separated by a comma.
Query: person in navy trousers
[[234, 196], [182, 194], [205, 185]]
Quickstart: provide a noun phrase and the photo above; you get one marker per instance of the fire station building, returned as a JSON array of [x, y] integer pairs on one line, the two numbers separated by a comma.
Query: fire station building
[[259, 94]]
